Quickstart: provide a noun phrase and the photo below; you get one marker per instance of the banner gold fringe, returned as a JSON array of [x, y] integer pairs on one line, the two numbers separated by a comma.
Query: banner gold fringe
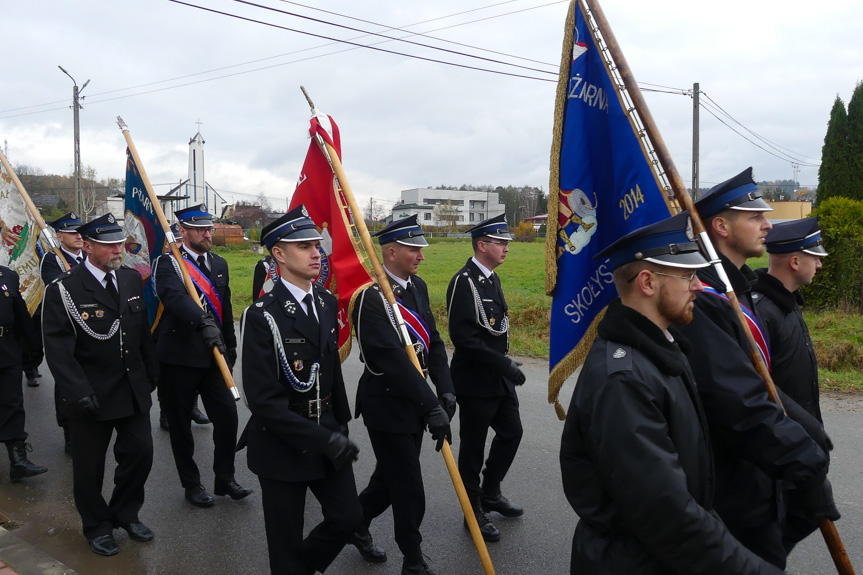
[[551, 224], [569, 364]]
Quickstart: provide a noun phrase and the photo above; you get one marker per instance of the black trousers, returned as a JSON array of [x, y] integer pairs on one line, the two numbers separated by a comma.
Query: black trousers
[[133, 451], [180, 386], [476, 416], [284, 511], [11, 405], [397, 480], [31, 366]]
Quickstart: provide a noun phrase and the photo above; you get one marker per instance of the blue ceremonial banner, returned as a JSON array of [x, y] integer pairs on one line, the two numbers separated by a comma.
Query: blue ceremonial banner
[[145, 238], [605, 187]]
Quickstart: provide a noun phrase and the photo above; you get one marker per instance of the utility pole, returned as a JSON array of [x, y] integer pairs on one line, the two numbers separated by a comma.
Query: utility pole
[[76, 92], [695, 108]]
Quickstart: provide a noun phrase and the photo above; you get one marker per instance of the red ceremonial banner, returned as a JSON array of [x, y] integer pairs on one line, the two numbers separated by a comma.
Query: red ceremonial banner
[[343, 268]]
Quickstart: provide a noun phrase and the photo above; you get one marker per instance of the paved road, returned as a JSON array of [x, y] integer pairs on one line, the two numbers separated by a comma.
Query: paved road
[[229, 537]]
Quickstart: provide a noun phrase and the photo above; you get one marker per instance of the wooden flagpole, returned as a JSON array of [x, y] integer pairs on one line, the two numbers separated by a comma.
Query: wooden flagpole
[[31, 207], [383, 281], [828, 529], [175, 250]]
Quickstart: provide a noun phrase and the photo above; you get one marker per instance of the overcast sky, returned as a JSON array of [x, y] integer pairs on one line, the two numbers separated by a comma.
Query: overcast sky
[[406, 123]]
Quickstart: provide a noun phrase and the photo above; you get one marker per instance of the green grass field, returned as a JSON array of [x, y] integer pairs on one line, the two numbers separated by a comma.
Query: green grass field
[[837, 337]]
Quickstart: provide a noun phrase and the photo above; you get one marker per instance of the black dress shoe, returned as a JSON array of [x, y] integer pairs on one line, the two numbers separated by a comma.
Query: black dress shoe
[[138, 532], [500, 504], [232, 489], [199, 497], [199, 417], [104, 545], [489, 532], [362, 540], [163, 421]]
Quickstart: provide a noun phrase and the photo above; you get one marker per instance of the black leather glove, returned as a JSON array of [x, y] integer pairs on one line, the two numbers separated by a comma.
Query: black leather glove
[[87, 406], [513, 372], [211, 333], [447, 401], [438, 425], [231, 357], [341, 450], [818, 502]]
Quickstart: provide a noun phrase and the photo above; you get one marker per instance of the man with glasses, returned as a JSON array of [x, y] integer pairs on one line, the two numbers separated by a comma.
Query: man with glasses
[[795, 250], [483, 375], [186, 336], [635, 454], [754, 443]]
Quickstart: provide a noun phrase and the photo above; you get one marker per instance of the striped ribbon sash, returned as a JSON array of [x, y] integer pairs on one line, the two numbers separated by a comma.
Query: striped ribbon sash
[[754, 325], [205, 286], [415, 324]]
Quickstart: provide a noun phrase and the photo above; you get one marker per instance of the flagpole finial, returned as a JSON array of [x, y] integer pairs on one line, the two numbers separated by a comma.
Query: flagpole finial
[[309, 100], [121, 123]]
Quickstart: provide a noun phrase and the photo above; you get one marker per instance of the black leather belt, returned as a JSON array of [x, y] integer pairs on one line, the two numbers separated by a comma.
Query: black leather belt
[[6, 330], [314, 408]]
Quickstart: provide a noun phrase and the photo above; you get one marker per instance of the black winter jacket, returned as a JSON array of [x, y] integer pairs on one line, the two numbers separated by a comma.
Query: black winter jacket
[[636, 460]]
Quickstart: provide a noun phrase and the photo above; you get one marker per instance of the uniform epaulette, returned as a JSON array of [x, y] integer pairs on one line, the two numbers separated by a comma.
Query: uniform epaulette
[[63, 275], [618, 358]]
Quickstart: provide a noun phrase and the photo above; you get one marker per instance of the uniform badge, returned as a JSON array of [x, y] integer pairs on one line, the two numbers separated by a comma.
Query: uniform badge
[[298, 365], [85, 315], [482, 279], [100, 313], [290, 307], [259, 304], [618, 353], [111, 219], [491, 321], [321, 301]]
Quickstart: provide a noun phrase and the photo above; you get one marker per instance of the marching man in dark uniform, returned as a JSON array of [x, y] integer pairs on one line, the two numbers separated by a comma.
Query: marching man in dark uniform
[[185, 338], [298, 433], [483, 375], [635, 453], [795, 250], [18, 340], [71, 244], [97, 340], [66, 227], [394, 399], [755, 445]]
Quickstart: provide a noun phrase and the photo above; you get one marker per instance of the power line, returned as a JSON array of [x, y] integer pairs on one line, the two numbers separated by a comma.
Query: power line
[[334, 42], [434, 60], [773, 145], [755, 143]]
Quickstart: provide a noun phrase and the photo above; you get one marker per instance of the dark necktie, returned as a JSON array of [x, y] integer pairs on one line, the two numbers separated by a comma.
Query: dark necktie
[[112, 289], [80, 259], [409, 298], [310, 311], [202, 265]]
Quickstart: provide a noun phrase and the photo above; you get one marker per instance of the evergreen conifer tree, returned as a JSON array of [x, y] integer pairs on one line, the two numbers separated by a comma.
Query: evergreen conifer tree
[[833, 172], [855, 144]]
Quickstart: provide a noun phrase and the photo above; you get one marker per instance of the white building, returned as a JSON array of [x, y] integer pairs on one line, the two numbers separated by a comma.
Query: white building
[[444, 207], [194, 190]]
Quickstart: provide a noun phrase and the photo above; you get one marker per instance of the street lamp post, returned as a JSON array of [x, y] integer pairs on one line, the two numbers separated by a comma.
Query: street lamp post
[[75, 107]]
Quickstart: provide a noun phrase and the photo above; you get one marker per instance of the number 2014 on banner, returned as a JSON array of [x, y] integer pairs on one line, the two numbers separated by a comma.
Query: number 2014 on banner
[[630, 201]]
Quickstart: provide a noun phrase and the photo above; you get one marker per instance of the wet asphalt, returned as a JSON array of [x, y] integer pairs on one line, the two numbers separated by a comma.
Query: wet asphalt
[[229, 537]]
